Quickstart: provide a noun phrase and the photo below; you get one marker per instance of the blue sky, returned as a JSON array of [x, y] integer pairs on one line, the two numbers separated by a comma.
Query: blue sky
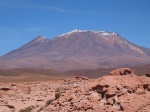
[[23, 20]]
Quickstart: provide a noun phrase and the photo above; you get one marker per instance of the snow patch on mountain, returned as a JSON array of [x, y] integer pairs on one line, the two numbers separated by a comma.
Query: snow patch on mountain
[[105, 33], [110, 36], [41, 39], [73, 31]]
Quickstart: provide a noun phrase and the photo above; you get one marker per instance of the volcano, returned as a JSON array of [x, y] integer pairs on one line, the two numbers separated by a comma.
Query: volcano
[[78, 49]]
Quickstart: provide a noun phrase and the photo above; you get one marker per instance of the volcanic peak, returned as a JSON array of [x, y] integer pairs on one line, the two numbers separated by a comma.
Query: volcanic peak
[[105, 33]]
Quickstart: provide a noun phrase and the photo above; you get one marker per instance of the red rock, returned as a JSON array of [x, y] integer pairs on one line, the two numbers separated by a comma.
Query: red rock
[[81, 78], [126, 93], [109, 93], [121, 71]]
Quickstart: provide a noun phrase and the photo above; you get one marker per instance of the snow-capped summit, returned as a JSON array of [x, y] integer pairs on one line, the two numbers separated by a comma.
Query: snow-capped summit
[[108, 33], [71, 32], [105, 33], [78, 49]]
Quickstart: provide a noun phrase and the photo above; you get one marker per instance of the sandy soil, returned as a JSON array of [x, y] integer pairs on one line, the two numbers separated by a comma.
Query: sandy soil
[[20, 95]]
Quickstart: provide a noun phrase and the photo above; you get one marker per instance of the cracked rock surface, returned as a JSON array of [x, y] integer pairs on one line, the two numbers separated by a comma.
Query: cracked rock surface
[[120, 91], [127, 93]]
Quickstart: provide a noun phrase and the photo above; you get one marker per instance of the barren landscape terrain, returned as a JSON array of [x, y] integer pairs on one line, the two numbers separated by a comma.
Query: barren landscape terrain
[[74, 56], [76, 72], [77, 49], [35, 91]]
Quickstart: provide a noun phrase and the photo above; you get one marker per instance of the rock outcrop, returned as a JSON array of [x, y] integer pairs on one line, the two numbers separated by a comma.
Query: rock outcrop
[[147, 75], [121, 71], [81, 78], [119, 92]]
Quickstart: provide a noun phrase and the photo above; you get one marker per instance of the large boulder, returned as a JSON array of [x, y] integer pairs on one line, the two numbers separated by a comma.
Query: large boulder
[[121, 71], [81, 78], [147, 75]]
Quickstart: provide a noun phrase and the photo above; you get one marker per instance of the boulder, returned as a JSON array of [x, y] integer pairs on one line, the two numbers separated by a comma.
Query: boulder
[[147, 75], [121, 72], [81, 78]]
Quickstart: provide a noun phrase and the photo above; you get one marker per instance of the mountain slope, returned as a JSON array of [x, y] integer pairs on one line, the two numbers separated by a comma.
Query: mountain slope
[[26, 50], [146, 50], [76, 50]]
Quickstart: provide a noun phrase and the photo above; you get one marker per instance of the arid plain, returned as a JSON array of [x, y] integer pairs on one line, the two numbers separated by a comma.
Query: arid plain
[[27, 90]]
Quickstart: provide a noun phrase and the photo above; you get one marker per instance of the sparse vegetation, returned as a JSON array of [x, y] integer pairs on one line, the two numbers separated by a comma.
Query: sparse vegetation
[[28, 109], [49, 102], [57, 90], [57, 93], [40, 109]]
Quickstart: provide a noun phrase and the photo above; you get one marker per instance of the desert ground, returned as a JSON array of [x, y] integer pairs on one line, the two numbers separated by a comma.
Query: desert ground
[[118, 91]]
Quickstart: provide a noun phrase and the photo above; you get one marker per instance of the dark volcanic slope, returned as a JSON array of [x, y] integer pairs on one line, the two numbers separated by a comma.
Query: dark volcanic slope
[[78, 49]]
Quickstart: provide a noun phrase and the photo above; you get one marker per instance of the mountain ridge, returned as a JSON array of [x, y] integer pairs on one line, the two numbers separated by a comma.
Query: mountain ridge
[[76, 50]]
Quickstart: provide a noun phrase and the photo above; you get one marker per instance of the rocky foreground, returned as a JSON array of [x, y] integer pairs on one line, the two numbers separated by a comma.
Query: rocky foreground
[[120, 91]]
